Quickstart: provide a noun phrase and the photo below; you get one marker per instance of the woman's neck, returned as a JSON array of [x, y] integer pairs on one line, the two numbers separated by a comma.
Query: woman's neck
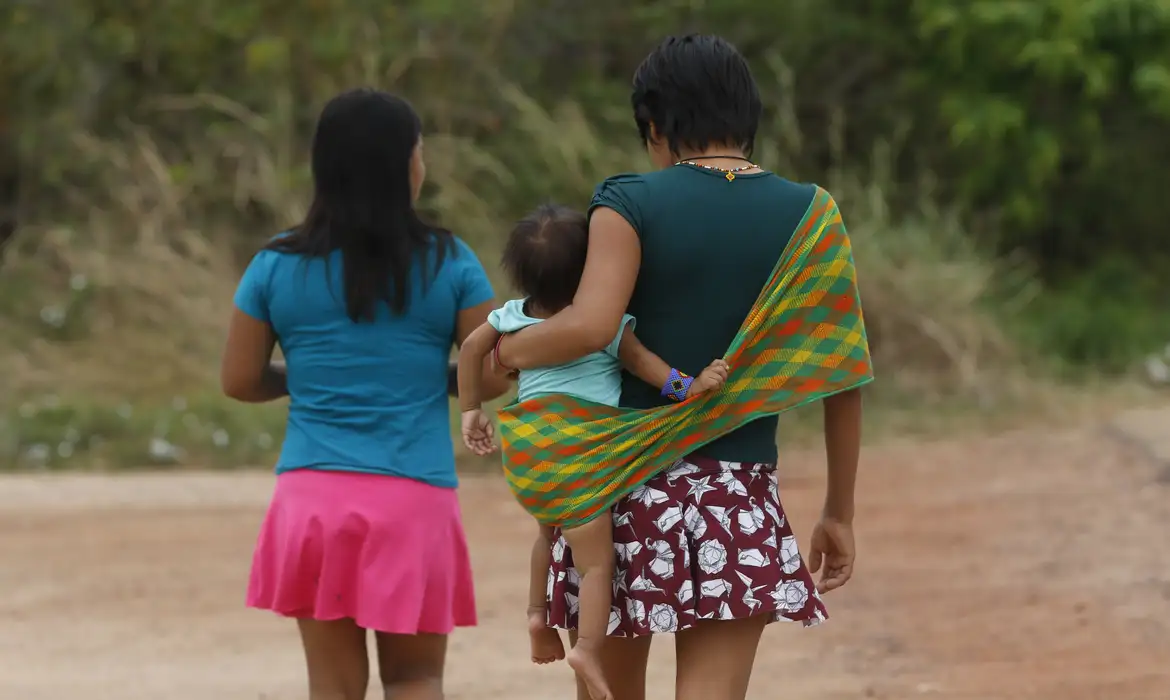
[[712, 152]]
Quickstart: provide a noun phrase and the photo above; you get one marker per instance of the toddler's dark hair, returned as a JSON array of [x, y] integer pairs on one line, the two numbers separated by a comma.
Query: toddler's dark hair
[[545, 255]]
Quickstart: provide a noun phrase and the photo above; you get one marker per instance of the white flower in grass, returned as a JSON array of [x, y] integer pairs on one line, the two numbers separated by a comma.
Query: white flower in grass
[[712, 557], [791, 596], [789, 554], [663, 618]]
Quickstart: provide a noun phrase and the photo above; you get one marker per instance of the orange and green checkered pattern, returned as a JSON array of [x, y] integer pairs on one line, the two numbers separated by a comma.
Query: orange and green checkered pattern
[[568, 460]]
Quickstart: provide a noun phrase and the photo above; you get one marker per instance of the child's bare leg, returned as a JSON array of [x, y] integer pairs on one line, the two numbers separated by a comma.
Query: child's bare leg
[[592, 546], [547, 646]]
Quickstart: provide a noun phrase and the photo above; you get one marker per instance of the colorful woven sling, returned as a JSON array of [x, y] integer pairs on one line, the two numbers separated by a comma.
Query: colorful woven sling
[[568, 460]]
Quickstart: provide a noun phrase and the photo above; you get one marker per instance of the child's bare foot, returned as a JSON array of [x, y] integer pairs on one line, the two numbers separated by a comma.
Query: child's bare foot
[[583, 660], [547, 646]]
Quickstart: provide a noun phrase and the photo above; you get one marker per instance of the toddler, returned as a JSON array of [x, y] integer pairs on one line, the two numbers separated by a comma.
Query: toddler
[[545, 256]]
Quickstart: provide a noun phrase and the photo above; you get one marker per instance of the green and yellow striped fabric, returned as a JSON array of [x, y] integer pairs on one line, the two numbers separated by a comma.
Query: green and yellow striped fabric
[[568, 461]]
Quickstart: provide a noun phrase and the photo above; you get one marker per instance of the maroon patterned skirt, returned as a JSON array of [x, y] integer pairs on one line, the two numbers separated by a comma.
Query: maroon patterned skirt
[[703, 540]]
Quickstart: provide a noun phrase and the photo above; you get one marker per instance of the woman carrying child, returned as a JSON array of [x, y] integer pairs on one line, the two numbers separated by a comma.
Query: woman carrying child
[[545, 256], [703, 547]]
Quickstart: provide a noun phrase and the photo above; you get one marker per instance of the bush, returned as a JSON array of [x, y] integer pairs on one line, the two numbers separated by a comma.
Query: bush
[[988, 156]]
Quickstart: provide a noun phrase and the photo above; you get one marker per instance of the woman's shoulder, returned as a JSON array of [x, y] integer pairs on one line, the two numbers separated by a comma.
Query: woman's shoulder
[[625, 193], [623, 179]]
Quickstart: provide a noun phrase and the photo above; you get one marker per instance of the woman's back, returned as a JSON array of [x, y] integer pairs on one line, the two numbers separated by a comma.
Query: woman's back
[[367, 396], [708, 247]]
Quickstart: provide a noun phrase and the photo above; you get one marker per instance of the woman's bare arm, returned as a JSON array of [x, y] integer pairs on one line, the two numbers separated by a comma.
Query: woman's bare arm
[[247, 371], [843, 450], [491, 384], [592, 320]]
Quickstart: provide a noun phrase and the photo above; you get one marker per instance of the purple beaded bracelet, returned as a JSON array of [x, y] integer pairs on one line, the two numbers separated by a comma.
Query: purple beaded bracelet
[[677, 385]]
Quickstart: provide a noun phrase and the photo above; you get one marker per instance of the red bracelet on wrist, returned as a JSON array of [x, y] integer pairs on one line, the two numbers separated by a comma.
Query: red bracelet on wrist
[[496, 356]]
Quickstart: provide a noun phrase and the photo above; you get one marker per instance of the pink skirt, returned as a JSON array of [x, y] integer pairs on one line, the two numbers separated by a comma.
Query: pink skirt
[[386, 552]]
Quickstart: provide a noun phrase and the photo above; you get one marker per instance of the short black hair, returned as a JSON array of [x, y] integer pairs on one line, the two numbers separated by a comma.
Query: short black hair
[[697, 90], [545, 255]]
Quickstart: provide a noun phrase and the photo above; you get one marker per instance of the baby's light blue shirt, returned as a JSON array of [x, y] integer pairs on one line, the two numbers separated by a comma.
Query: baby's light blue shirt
[[597, 377]]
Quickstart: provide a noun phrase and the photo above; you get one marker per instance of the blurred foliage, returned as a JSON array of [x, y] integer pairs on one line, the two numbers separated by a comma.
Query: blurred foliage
[[156, 143], [1047, 117]]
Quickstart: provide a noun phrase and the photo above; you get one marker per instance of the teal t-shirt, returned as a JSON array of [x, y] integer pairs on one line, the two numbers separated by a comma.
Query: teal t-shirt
[[365, 397], [708, 249], [597, 377]]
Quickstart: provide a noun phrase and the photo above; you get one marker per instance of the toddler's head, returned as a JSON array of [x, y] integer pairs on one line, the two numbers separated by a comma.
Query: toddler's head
[[545, 256]]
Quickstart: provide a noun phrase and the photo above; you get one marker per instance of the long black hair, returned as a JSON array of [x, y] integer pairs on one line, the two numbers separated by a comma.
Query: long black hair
[[363, 204]]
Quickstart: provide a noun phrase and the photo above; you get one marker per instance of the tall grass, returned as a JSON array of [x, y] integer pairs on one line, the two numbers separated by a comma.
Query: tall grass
[[112, 312]]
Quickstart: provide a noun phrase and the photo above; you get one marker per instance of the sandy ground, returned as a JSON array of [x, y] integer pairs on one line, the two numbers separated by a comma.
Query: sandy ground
[[1027, 566]]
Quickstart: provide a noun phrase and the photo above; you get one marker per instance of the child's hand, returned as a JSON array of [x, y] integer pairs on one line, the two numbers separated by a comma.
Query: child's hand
[[478, 432], [710, 379]]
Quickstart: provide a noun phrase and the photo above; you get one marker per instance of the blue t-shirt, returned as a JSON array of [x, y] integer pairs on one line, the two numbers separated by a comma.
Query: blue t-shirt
[[365, 397], [596, 377]]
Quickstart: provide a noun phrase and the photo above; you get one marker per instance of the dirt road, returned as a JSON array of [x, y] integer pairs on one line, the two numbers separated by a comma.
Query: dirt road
[[1028, 566]]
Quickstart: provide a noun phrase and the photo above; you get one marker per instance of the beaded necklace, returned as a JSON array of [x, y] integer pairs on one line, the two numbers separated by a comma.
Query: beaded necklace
[[728, 173]]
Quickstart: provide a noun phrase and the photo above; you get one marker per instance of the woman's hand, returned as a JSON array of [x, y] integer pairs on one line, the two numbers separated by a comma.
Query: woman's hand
[[478, 432], [832, 553]]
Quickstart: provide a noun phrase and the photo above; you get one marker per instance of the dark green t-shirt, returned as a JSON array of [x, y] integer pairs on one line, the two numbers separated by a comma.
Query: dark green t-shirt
[[708, 248]]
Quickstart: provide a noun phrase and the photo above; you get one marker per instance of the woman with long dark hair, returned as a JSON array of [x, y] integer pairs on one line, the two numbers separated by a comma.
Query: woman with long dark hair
[[704, 550], [364, 531]]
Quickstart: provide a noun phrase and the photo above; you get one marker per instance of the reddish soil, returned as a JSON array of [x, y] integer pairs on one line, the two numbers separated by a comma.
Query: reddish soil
[[1031, 566]]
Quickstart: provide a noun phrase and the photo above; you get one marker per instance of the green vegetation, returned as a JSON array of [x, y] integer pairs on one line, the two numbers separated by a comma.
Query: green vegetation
[[1000, 164]]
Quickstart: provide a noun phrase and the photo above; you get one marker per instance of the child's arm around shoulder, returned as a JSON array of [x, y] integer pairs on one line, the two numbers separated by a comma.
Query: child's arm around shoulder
[[652, 369]]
